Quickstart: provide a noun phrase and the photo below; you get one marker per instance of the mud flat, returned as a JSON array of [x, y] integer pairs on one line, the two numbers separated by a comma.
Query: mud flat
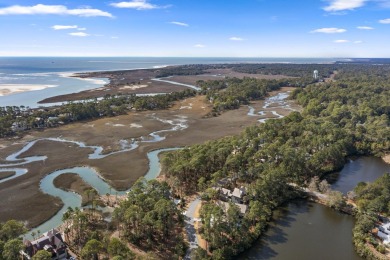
[[183, 124], [4, 175]]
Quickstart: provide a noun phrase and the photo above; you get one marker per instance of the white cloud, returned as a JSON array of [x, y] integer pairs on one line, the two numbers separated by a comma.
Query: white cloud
[[199, 46], [365, 28], [180, 24], [67, 27], [114, 37], [357, 42], [385, 21], [341, 5], [136, 4], [52, 9], [236, 39], [64, 27], [79, 34], [329, 30], [340, 41]]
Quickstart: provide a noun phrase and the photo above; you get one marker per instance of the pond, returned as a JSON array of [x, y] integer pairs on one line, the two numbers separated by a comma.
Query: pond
[[365, 168], [306, 230]]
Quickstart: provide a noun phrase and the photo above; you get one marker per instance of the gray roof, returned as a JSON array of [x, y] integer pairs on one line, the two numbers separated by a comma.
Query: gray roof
[[52, 238]]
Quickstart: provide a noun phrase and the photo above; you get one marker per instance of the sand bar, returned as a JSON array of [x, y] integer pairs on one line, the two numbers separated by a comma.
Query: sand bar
[[9, 89]]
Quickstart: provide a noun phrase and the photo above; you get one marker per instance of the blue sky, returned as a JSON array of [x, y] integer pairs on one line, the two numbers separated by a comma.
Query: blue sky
[[196, 28]]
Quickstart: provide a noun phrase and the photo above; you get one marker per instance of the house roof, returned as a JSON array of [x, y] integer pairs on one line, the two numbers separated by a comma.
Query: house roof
[[226, 192], [384, 233], [239, 192], [52, 238], [243, 208]]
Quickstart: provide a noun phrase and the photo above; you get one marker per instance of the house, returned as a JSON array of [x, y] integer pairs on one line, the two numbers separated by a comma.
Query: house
[[238, 194], [225, 194], [52, 121], [18, 126], [384, 233], [51, 241]]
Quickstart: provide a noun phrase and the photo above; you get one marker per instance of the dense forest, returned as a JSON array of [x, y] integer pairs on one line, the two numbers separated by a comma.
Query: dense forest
[[342, 118]]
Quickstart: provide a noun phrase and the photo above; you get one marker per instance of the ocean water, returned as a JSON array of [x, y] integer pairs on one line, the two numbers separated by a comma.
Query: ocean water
[[50, 76]]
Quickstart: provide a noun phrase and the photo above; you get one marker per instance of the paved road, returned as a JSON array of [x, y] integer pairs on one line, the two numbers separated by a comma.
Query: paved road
[[190, 229]]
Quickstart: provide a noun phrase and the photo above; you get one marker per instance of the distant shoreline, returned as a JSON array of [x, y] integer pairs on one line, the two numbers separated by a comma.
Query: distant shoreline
[[153, 80]]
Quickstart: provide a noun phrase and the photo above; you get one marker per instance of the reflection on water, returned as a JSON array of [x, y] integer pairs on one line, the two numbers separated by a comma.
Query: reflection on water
[[366, 169], [305, 230]]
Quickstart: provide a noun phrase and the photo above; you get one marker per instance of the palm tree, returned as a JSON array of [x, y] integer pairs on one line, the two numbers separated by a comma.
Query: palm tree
[[108, 198], [67, 218]]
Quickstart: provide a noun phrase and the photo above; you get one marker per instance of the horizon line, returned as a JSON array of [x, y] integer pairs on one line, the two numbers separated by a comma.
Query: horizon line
[[229, 57]]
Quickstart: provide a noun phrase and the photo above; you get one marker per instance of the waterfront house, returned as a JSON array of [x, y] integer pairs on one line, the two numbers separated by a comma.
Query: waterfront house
[[51, 241]]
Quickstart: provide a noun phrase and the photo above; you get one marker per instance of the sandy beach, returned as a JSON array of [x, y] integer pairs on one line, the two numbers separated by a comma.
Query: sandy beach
[[9, 89]]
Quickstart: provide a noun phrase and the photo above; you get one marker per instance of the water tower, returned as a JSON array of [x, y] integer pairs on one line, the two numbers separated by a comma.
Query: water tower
[[315, 75]]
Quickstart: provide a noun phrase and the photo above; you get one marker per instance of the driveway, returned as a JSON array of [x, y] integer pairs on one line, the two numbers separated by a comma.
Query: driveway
[[189, 226]]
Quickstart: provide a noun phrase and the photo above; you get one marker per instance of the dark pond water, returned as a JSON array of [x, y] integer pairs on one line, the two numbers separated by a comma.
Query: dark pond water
[[304, 230], [366, 169]]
